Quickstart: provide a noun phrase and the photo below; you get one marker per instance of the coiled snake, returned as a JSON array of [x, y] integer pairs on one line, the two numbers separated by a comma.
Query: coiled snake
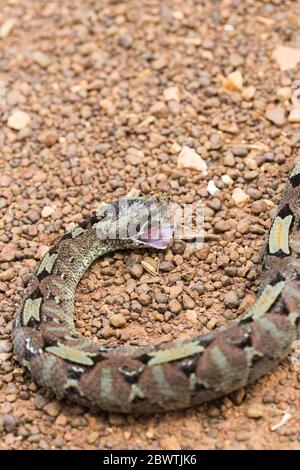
[[132, 379]]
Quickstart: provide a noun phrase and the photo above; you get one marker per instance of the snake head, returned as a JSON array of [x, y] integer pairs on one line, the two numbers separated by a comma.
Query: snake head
[[136, 222]]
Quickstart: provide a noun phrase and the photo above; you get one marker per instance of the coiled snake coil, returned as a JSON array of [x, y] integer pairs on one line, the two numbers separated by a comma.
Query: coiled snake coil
[[132, 379]]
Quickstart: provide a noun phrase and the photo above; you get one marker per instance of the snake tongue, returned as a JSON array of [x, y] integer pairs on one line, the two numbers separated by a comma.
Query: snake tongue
[[159, 237]]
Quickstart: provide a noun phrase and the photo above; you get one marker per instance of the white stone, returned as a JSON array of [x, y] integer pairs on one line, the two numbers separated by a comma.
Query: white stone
[[212, 188], [294, 115], [18, 120], [227, 180], [41, 59], [239, 197], [7, 27], [191, 316], [248, 92], [189, 158], [172, 94], [234, 81], [284, 92], [47, 211], [286, 57]]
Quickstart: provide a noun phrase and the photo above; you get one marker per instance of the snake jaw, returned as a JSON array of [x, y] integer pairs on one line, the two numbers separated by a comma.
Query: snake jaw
[[137, 222], [156, 228], [159, 238]]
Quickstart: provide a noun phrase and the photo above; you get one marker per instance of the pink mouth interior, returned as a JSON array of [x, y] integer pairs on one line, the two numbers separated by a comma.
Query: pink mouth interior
[[159, 237]]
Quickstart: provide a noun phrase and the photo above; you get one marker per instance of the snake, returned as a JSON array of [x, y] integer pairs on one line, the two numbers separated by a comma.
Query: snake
[[132, 378]]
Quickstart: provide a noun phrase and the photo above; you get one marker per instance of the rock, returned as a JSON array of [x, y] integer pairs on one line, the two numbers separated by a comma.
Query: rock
[[215, 204], [7, 27], [222, 226], [191, 316], [174, 306], [5, 181], [106, 332], [213, 412], [231, 299], [199, 287], [229, 160], [33, 215], [234, 81], [166, 266], [284, 93], [286, 57], [41, 59], [5, 346], [212, 188], [239, 197], [276, 116], [47, 211], [159, 109], [294, 115], [175, 291], [238, 396], [117, 320], [8, 253], [255, 411], [188, 302], [169, 443], [48, 138], [18, 120], [125, 41], [248, 92], [92, 437], [189, 158], [236, 60], [134, 156], [53, 408], [103, 148], [7, 275], [136, 270], [240, 151], [243, 227], [223, 260], [258, 207], [227, 180], [172, 94]]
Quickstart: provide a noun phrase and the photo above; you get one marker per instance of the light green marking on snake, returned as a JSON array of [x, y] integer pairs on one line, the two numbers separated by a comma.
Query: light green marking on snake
[[47, 373], [163, 384], [252, 353], [72, 354], [32, 309], [194, 380], [106, 382], [265, 301], [77, 231], [279, 235], [283, 338], [136, 392], [219, 359], [173, 354], [47, 263], [227, 371], [292, 292], [73, 383], [293, 317]]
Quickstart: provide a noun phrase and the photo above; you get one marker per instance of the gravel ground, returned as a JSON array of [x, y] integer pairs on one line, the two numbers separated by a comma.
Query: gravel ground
[[101, 98]]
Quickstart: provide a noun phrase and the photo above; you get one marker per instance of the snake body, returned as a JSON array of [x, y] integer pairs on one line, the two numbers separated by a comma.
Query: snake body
[[134, 379]]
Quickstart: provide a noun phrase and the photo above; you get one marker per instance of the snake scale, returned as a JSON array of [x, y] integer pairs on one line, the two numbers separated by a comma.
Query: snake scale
[[134, 379]]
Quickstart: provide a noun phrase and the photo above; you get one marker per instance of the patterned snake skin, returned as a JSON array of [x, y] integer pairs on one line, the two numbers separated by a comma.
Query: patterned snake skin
[[132, 379]]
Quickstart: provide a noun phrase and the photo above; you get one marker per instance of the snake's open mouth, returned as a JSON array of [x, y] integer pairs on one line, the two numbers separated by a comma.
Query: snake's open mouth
[[158, 237]]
